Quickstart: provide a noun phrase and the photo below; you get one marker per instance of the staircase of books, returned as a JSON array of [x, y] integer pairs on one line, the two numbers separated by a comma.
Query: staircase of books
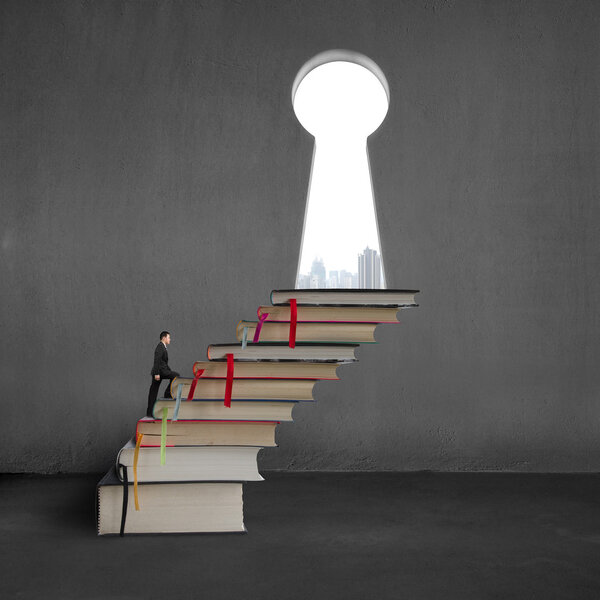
[[184, 469]]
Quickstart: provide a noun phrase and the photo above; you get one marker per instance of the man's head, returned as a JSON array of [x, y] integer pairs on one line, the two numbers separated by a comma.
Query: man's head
[[165, 337]]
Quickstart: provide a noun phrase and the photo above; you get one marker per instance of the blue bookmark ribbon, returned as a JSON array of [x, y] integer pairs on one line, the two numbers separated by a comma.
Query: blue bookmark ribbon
[[177, 402]]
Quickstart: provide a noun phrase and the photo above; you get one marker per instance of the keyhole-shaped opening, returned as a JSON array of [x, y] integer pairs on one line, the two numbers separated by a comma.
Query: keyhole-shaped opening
[[340, 97]]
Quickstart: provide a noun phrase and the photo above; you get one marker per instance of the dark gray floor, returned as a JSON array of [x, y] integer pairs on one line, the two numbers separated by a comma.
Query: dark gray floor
[[367, 535]]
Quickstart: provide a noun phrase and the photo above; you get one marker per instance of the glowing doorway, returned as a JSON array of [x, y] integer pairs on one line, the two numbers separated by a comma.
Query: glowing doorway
[[340, 97]]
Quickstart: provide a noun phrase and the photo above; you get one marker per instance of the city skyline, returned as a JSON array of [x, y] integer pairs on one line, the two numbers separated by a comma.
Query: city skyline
[[368, 274]]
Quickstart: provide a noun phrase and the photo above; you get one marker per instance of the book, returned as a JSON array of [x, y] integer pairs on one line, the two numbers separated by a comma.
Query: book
[[269, 370], [191, 463], [347, 297], [173, 507], [339, 353], [245, 410], [208, 433], [337, 314], [213, 446], [247, 389], [311, 332]]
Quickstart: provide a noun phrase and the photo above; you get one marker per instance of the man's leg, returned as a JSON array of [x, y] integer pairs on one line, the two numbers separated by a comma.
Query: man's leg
[[152, 393], [169, 376]]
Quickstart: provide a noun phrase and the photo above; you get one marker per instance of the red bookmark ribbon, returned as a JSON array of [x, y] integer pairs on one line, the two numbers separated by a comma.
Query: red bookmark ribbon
[[293, 321], [229, 381], [261, 319], [194, 382]]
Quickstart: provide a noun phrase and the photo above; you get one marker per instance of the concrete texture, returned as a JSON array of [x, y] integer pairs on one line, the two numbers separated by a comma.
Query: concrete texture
[[153, 175], [322, 536]]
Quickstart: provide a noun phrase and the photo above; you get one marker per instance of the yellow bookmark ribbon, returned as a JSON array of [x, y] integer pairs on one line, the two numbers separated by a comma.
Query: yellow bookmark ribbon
[[136, 454]]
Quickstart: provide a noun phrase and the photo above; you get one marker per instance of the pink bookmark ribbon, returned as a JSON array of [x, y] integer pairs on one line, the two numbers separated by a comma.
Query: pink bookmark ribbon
[[261, 319]]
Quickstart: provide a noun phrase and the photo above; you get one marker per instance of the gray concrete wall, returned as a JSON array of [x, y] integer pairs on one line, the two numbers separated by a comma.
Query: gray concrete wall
[[153, 175]]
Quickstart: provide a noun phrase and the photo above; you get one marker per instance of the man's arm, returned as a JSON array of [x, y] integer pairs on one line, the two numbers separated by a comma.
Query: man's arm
[[158, 352]]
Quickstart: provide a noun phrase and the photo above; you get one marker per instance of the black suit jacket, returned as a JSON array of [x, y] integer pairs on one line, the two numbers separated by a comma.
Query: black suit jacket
[[161, 360]]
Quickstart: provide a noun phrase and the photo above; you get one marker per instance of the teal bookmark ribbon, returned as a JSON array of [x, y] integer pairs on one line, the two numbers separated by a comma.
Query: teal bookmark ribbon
[[163, 437], [177, 402]]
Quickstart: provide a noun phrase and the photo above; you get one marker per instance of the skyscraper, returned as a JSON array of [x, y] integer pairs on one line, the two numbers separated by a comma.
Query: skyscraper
[[346, 279], [369, 270], [303, 282], [317, 274], [333, 281]]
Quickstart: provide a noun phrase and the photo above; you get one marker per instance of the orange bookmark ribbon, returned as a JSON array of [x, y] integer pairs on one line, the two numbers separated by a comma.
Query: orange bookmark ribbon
[[194, 383], [229, 381], [136, 455], [293, 321]]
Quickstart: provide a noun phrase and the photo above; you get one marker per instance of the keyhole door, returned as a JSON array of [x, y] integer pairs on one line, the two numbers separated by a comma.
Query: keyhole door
[[340, 102]]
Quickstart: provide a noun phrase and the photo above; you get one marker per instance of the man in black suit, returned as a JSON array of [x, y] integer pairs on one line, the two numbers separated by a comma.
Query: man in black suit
[[160, 371]]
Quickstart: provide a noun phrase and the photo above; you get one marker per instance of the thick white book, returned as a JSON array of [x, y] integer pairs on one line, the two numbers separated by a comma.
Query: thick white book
[[171, 507], [191, 463]]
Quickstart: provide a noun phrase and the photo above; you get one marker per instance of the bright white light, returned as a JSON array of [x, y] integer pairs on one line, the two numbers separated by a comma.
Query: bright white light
[[340, 103]]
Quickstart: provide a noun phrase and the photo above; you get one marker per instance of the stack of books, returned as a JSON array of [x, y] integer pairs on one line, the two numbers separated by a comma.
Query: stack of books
[[183, 470]]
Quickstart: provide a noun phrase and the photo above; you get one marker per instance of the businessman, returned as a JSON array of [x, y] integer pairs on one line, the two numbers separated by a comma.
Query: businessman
[[160, 371]]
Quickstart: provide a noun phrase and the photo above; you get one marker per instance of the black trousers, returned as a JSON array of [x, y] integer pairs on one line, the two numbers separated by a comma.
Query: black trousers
[[153, 391]]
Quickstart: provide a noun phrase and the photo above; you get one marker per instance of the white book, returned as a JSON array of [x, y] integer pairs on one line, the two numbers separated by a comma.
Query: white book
[[191, 463], [348, 297], [169, 507], [281, 351]]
